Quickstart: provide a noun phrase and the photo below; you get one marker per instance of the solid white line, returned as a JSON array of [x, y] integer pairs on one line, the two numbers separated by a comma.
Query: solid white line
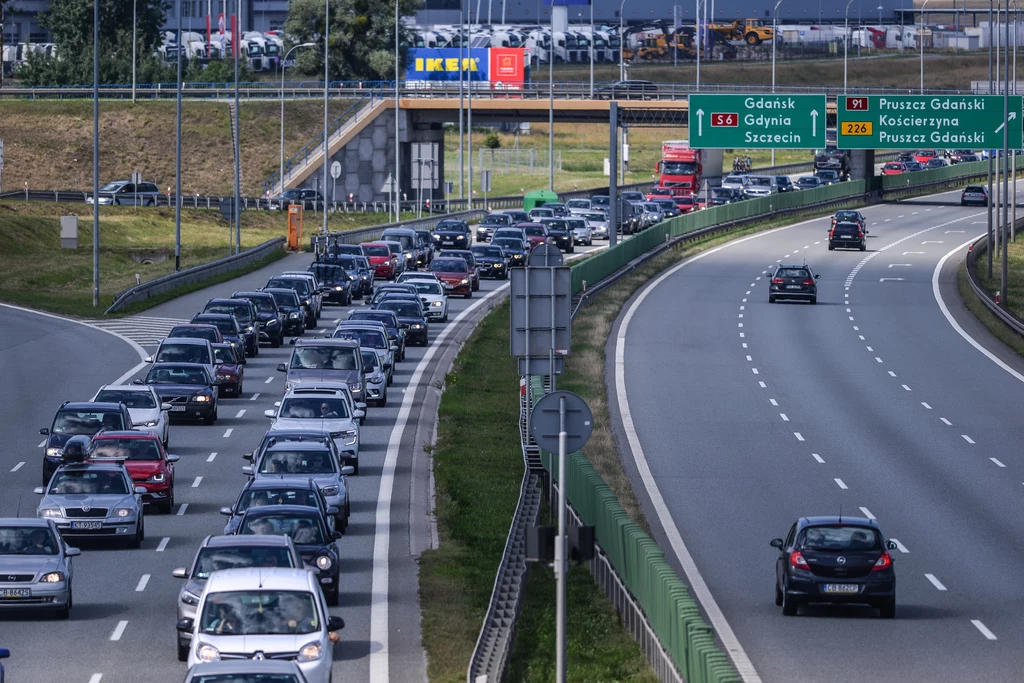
[[867, 513], [773, 402], [379, 618], [182, 508], [18, 466], [840, 483], [998, 464], [228, 432], [142, 583], [984, 629], [269, 380], [967, 438], [784, 418], [799, 436], [899, 546], [818, 458], [254, 396], [212, 457], [240, 413], [763, 385], [119, 630], [197, 482], [946, 422], [163, 544], [926, 405], [906, 387]]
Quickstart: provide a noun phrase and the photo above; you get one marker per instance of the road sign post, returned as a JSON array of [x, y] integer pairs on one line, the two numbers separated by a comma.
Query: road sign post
[[915, 121], [757, 121]]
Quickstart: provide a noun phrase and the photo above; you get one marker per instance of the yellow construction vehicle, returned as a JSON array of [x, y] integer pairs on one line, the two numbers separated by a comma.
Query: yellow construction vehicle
[[751, 31]]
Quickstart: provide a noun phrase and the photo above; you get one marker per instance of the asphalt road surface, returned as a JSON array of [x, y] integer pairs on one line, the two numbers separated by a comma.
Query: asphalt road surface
[[740, 416], [122, 626]]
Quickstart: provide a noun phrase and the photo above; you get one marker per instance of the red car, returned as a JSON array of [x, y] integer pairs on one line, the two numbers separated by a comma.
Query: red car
[[381, 259], [894, 168], [686, 203], [453, 271], [230, 371], [923, 156], [536, 233], [148, 464]]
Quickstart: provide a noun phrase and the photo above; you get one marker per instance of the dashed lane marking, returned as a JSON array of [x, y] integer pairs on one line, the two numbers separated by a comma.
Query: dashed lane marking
[[817, 457], [967, 439], [984, 629], [119, 630], [142, 583], [840, 483], [163, 544], [18, 466], [935, 582]]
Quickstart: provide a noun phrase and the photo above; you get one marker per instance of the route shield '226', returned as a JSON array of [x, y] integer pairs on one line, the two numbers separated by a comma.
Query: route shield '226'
[[757, 121]]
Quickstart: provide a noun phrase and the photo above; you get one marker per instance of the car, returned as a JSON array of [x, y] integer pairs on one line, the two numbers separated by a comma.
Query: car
[[245, 313], [923, 156], [391, 325], [490, 260], [847, 234], [417, 275], [376, 381], [230, 369], [597, 221], [936, 163], [955, 156], [372, 336], [127, 192], [412, 252], [894, 168], [828, 177], [905, 156], [834, 159], [307, 199], [661, 192], [308, 297], [398, 254], [410, 316], [580, 230], [244, 670], [278, 613], [148, 413], [93, 499], [735, 180], [217, 553], [36, 568], [577, 206], [366, 272], [196, 331], [316, 288], [539, 212], [467, 256], [278, 490], [190, 389], [335, 282], [965, 158], [454, 272], [792, 282], [726, 195], [913, 166], [536, 234], [685, 203], [974, 194], [79, 419], [760, 186], [849, 216], [404, 287], [383, 262], [452, 233], [835, 559], [514, 250], [808, 182], [558, 208], [269, 314], [228, 327], [426, 241], [272, 436], [667, 207], [784, 184], [293, 313], [432, 295], [325, 360], [559, 234], [628, 90], [513, 232], [313, 461], [311, 533], [148, 464], [185, 350], [652, 213], [517, 215], [600, 202], [490, 223]]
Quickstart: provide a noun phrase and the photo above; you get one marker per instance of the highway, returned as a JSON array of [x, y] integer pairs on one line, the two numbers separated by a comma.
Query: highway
[[738, 417], [122, 626]]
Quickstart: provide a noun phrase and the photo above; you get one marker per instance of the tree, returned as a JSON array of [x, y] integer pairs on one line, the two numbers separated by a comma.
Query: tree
[[362, 38]]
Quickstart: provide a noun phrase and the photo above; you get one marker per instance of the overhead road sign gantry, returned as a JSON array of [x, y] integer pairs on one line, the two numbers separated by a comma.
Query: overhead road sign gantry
[[902, 121], [757, 121]]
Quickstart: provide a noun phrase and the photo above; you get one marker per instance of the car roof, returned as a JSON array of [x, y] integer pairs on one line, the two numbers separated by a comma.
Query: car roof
[[175, 364], [24, 521], [186, 340], [322, 384], [244, 666], [248, 294], [372, 244], [838, 519], [222, 300], [125, 434], [261, 578], [197, 326], [92, 405], [340, 343], [267, 510], [266, 540], [108, 465], [210, 316], [140, 388], [312, 446]]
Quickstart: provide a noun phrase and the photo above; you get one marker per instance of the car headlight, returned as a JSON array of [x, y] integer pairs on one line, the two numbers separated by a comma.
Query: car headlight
[[324, 562], [293, 316], [51, 513], [207, 653], [157, 478], [124, 512], [288, 386], [248, 330], [344, 434], [202, 399], [54, 452], [464, 281], [436, 304], [232, 342], [376, 379], [189, 598], [417, 326], [52, 577], [355, 388], [305, 302], [151, 423], [331, 490], [408, 254], [338, 289], [310, 652]]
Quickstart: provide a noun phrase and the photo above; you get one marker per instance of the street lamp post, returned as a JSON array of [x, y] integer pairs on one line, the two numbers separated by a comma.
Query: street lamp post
[[846, 42], [696, 34], [327, 89], [989, 151], [135, 42], [775, 40], [622, 42], [177, 143], [920, 40], [95, 153], [398, 104], [280, 176]]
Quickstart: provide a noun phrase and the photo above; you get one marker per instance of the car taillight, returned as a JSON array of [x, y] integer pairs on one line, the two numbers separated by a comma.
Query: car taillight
[[832, 230], [808, 281], [883, 562], [797, 561], [777, 281], [860, 235]]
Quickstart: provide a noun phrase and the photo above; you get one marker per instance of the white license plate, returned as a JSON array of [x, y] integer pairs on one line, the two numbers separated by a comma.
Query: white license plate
[[792, 286], [447, 242], [15, 593], [177, 409], [841, 588], [86, 525]]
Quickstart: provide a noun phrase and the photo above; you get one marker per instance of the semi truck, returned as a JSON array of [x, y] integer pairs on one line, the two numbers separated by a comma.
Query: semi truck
[[680, 166]]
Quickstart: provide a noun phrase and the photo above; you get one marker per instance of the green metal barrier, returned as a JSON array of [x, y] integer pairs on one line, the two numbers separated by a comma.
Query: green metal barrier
[[970, 169]]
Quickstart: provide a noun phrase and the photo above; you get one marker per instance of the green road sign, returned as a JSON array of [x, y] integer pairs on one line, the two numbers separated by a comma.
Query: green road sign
[[915, 121], [757, 121]]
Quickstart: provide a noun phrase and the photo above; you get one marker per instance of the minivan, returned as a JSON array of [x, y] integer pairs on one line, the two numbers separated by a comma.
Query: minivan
[[326, 360], [414, 254], [129, 193]]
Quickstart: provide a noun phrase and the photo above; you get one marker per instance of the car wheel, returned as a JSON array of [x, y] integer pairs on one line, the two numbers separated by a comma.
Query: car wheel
[[136, 540], [771, 299], [778, 595], [276, 343], [831, 247], [814, 299], [383, 400], [182, 651], [888, 610], [963, 203], [238, 391], [65, 611], [210, 419], [333, 597], [863, 247], [788, 605], [445, 318], [469, 294]]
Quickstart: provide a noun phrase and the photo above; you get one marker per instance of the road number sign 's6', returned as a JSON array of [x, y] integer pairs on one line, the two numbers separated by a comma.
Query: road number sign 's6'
[[730, 120], [757, 121]]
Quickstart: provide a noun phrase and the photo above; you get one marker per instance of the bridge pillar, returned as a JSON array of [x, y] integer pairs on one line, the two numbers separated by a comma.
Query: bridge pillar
[[862, 164]]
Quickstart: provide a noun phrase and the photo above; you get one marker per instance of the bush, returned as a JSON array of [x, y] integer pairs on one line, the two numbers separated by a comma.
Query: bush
[[492, 141]]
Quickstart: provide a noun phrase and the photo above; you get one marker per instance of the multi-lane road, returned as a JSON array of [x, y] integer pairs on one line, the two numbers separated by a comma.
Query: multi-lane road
[[122, 626], [739, 417]]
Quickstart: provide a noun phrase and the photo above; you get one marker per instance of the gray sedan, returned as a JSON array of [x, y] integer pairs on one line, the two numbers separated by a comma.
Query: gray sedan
[[35, 567]]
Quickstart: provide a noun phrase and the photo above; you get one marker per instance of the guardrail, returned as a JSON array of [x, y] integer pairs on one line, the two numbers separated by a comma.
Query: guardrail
[[1009, 319], [200, 273]]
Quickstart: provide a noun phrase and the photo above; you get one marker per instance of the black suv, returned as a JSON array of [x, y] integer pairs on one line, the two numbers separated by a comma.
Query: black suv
[[79, 419], [847, 235], [335, 282], [559, 234], [291, 308], [628, 90], [271, 318], [245, 313], [453, 234], [793, 282]]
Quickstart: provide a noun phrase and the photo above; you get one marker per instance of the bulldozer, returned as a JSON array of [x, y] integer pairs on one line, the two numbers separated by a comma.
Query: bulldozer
[[751, 31], [660, 48]]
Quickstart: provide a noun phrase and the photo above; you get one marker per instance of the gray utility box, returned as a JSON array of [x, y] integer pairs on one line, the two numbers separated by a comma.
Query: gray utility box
[[69, 232]]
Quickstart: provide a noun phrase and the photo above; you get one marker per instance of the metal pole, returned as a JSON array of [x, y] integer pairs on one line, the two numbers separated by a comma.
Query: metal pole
[[1006, 159], [398, 141], [469, 115], [696, 34], [135, 41], [622, 42], [327, 88], [846, 42], [920, 40], [775, 40], [462, 70], [990, 234], [236, 45], [95, 153], [560, 546], [281, 171], [592, 51], [551, 117], [177, 151], [613, 184]]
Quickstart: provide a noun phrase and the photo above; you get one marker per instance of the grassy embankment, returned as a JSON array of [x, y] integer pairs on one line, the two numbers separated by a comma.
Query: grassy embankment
[[1015, 263]]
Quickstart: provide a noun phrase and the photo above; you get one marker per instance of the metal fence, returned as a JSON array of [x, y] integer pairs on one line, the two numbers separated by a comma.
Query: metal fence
[[526, 160]]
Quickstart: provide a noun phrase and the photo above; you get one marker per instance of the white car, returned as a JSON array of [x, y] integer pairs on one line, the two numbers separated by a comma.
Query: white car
[[581, 233], [435, 302], [276, 613], [148, 412], [324, 407], [578, 207], [416, 275]]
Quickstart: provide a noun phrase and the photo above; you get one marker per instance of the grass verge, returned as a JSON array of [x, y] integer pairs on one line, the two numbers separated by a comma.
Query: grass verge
[[478, 473], [1015, 277], [996, 326]]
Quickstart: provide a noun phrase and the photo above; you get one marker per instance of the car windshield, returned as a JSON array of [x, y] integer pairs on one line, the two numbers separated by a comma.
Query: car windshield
[[113, 187], [182, 353], [193, 333], [578, 204], [376, 250], [300, 286], [126, 449], [27, 540], [85, 422], [509, 243], [240, 312], [76, 481], [372, 339], [542, 213], [451, 226], [370, 359], [557, 224], [403, 308], [679, 167], [495, 220], [303, 529], [434, 287], [534, 231], [347, 261], [595, 217], [807, 180], [394, 248], [132, 399], [970, 188], [239, 557], [259, 612], [894, 166], [847, 216], [449, 266], [380, 316], [285, 298], [324, 358], [264, 304], [721, 192], [224, 325], [492, 252], [792, 272], [281, 496], [179, 375], [759, 181], [297, 462], [839, 538], [325, 273], [598, 201], [224, 354]]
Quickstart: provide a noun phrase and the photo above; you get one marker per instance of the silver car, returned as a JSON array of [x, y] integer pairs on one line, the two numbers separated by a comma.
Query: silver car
[[652, 213], [148, 412], [597, 221], [435, 302], [308, 460], [323, 406], [373, 336], [127, 192], [318, 360], [760, 186], [280, 613], [36, 570], [578, 207], [376, 379], [580, 230], [246, 670], [94, 500], [217, 553], [735, 180]]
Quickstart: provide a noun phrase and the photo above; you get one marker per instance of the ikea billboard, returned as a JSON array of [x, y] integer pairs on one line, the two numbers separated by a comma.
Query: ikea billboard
[[502, 67]]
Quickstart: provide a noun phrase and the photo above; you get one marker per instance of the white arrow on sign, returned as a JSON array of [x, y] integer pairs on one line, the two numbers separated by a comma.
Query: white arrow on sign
[[890, 279], [1002, 125], [700, 122], [900, 265], [814, 122]]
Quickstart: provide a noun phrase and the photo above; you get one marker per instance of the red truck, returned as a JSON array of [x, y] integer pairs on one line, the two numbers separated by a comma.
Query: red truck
[[680, 166]]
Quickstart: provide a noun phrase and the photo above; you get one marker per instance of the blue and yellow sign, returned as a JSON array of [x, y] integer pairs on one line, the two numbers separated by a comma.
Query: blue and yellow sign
[[442, 64]]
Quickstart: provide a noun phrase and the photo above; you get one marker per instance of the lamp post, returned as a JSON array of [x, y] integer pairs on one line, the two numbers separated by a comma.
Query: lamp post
[[920, 40], [846, 42], [989, 152], [280, 175], [622, 43], [696, 38], [398, 105], [177, 141], [775, 40], [95, 153], [327, 89], [135, 43]]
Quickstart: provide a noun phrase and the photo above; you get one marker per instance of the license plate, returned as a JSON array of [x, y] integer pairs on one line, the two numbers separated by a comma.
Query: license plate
[[447, 242], [15, 593], [841, 588], [792, 286], [177, 409], [86, 525]]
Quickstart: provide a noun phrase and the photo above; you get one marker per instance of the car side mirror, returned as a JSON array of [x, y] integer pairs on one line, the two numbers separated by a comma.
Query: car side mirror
[[335, 623], [179, 573], [817, 276], [75, 552], [776, 543], [270, 413], [277, 404], [44, 431], [394, 347], [140, 382], [247, 456], [247, 469], [281, 367], [173, 458], [165, 406], [332, 510], [359, 414], [148, 359], [140, 490], [218, 362], [368, 371], [891, 545], [348, 470], [226, 511], [291, 342], [335, 535], [39, 490], [185, 624]]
